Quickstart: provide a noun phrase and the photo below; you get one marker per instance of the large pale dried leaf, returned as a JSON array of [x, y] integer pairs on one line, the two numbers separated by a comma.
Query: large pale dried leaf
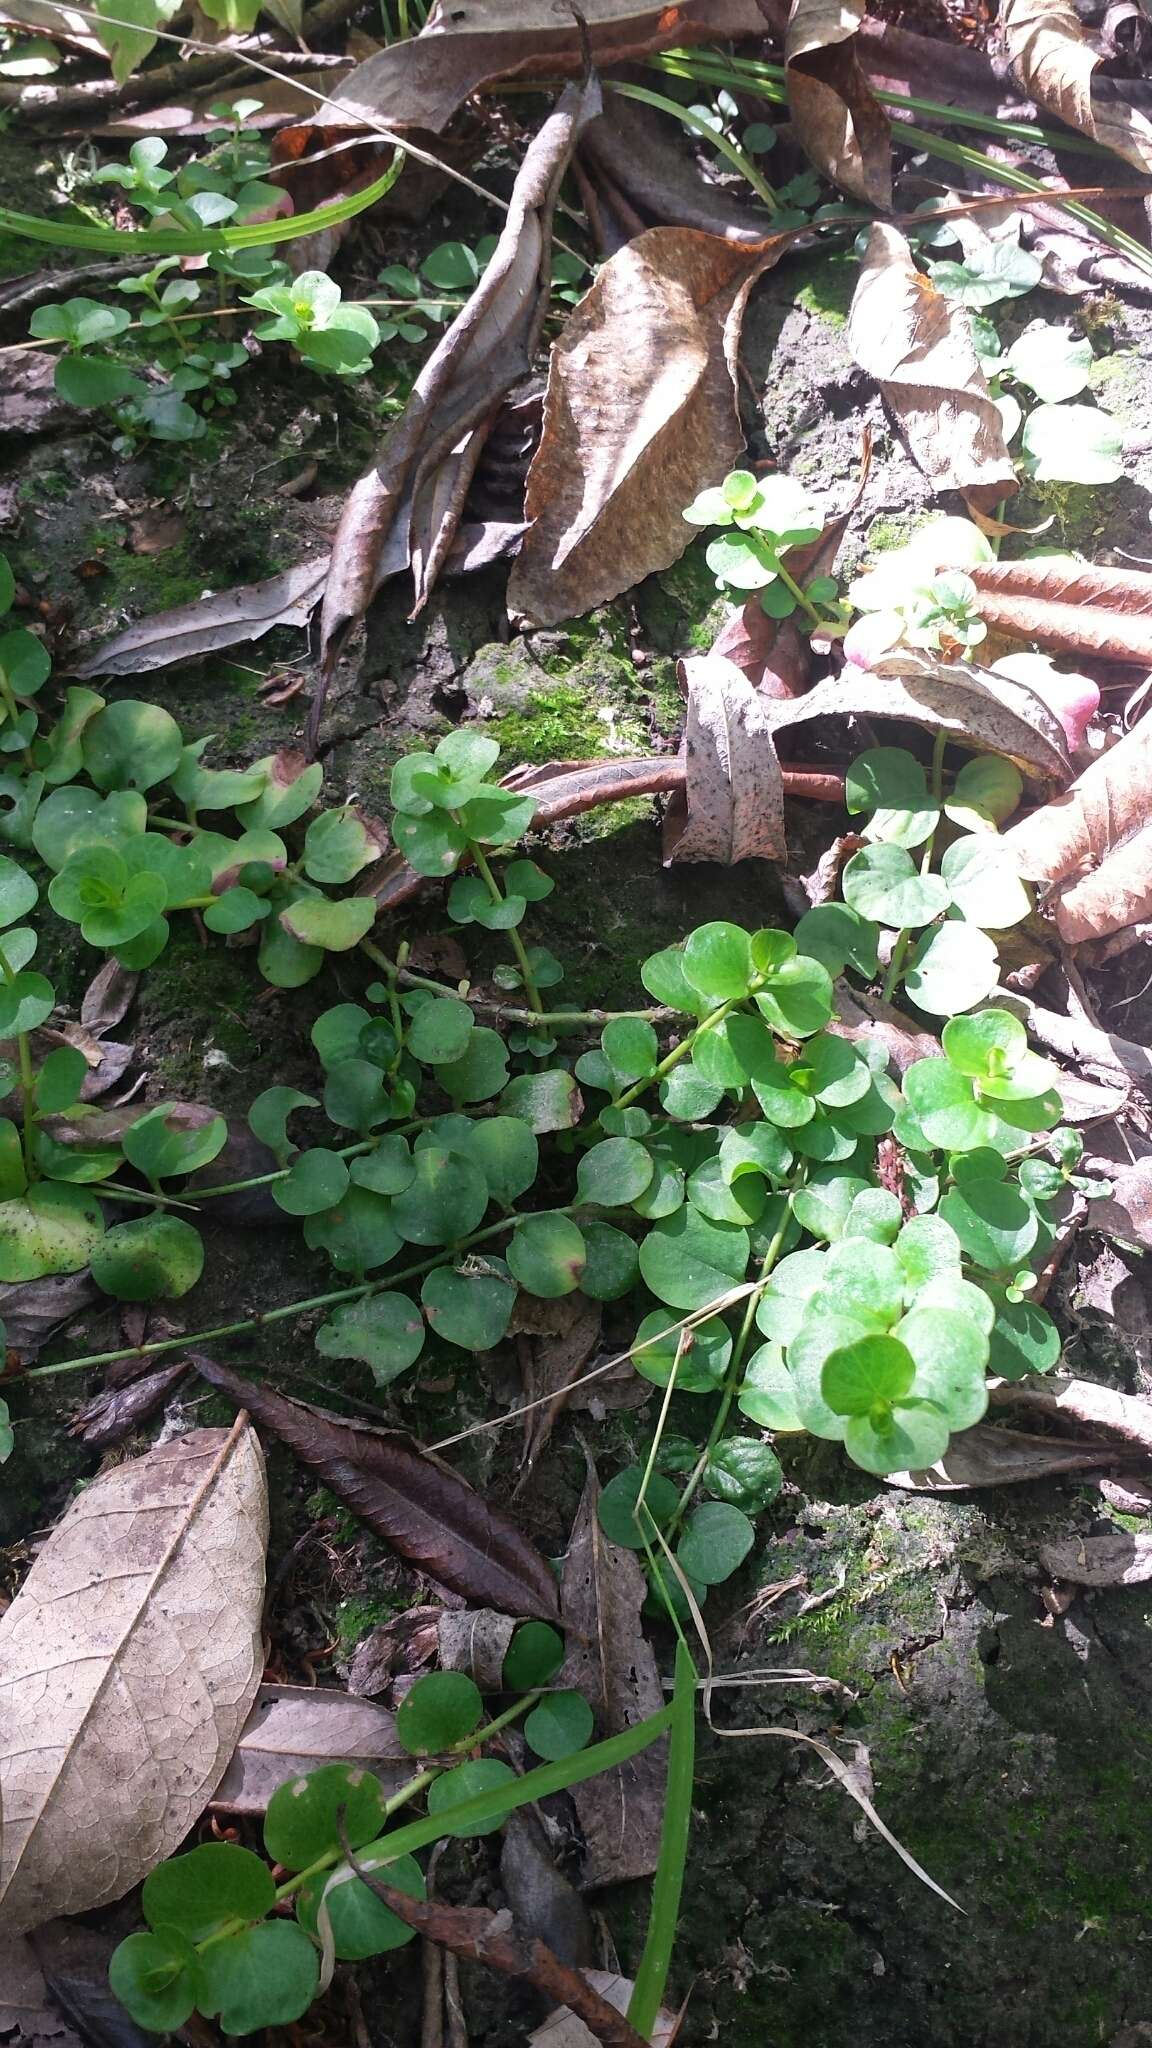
[[602, 1590], [903, 332], [421, 1507], [989, 713], [984, 1456], [734, 787], [835, 115], [463, 47], [1126, 1417], [407, 507], [562, 2028], [128, 1663], [1095, 841], [1118, 1560], [1057, 67], [1070, 607], [640, 414], [297, 1728], [211, 622]]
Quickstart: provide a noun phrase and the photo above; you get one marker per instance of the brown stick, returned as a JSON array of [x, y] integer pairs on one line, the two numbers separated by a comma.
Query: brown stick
[[490, 1938]]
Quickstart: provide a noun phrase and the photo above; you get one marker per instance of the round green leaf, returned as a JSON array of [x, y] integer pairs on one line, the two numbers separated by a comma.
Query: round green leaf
[[547, 1255], [890, 783], [357, 1096], [950, 1353], [315, 1181], [50, 1229], [984, 882], [910, 1438], [152, 1257], [875, 1213], [431, 844], [686, 1095], [716, 1540], [704, 1352], [559, 1726], [336, 846], [612, 1262], [862, 1278], [468, 1781], [388, 1169], [1024, 1339], [266, 1977], [18, 892], [951, 969], [744, 1473], [534, 1656], [358, 1234], [201, 1891], [154, 1978], [724, 1201], [268, 1118], [617, 1511], [663, 975], [688, 1261], [481, 1070], [928, 1249], [362, 1925], [169, 1139], [1074, 444], [60, 1079], [438, 1712], [305, 1814], [445, 1199], [333, 925], [550, 1101], [26, 1002], [717, 961], [868, 1374], [613, 1173], [768, 1396], [630, 1046], [945, 1106], [385, 1330], [798, 998], [470, 1308], [883, 882], [131, 745], [985, 793], [994, 1221], [754, 1148], [440, 1031], [716, 1058], [838, 937]]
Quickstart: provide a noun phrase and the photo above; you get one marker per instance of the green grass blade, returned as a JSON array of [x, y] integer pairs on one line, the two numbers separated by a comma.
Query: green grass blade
[[652, 1976], [185, 241]]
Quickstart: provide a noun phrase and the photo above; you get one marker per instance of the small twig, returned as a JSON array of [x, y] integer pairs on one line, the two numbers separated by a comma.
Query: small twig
[[479, 1936]]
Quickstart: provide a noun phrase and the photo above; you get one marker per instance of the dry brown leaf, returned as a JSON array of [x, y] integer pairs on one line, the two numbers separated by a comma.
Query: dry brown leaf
[[1127, 1212], [1095, 841], [836, 118], [407, 1643], [1069, 607], [211, 622], [640, 414], [108, 998], [28, 393], [984, 1456], [602, 1590], [296, 1728], [549, 1362], [111, 1414], [128, 1662], [642, 176], [28, 2019], [408, 506], [1057, 67], [1126, 1417], [734, 788], [1116, 1560], [904, 333], [562, 2029], [464, 47], [33, 1310], [476, 1640]]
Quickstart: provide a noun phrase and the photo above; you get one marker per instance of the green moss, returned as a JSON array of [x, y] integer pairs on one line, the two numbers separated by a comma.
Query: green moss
[[827, 285], [357, 1616], [556, 724]]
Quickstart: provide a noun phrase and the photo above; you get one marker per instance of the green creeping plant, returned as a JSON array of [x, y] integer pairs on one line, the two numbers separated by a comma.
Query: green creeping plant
[[227, 1941]]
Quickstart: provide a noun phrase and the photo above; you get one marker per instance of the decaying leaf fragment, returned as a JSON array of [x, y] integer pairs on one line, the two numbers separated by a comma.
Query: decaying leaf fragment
[[297, 1728], [984, 1456], [903, 332], [563, 2028], [838, 120], [1094, 843], [431, 1516], [1057, 67], [128, 1663], [639, 415], [734, 785], [609, 1661], [1065, 607], [407, 506], [211, 622], [1116, 1560]]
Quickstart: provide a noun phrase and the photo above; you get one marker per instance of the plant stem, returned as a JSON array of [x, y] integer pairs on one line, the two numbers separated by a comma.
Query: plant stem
[[517, 943], [678, 1052], [805, 603], [507, 1011], [652, 1975], [903, 937], [729, 150]]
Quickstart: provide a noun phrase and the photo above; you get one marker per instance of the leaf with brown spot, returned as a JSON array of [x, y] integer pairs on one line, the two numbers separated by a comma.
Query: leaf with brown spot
[[1070, 607], [297, 1728], [428, 1514], [838, 121], [640, 415], [1093, 845], [128, 1662], [904, 333], [602, 1590], [1057, 67]]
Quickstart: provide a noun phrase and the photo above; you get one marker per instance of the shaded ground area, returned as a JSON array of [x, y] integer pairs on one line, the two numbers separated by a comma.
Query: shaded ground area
[[1008, 1746]]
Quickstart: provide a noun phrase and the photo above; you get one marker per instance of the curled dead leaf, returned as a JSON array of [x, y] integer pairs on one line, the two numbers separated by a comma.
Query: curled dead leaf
[[836, 117], [1125, 1417], [639, 415], [1093, 845], [734, 787], [904, 333], [211, 622], [128, 1662], [984, 1456], [1057, 67], [1069, 607], [638, 174]]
